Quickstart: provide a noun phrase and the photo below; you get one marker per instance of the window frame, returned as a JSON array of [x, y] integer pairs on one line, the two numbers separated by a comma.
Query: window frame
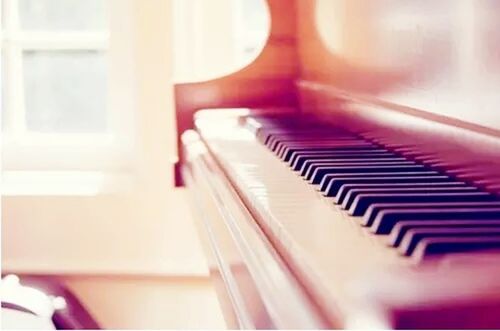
[[29, 150]]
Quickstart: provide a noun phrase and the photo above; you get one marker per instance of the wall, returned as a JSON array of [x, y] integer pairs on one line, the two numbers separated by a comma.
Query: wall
[[138, 224], [438, 56]]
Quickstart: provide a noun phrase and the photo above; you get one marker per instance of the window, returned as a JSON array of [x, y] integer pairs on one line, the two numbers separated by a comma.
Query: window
[[217, 37], [54, 82]]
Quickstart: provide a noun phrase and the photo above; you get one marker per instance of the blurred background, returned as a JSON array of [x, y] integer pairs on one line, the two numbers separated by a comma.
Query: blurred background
[[88, 140]]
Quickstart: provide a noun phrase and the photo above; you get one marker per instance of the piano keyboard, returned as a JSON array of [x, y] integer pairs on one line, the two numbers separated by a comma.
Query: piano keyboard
[[339, 209], [398, 192]]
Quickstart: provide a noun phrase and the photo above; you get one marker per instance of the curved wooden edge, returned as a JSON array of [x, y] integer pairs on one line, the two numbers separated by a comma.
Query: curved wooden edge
[[470, 152], [269, 80]]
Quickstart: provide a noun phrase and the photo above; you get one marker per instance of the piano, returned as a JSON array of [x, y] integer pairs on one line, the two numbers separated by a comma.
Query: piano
[[349, 177]]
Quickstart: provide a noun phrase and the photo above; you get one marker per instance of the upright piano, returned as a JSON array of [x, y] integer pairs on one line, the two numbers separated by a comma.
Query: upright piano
[[349, 177]]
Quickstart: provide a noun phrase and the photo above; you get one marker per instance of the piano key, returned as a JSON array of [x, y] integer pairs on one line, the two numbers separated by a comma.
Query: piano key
[[274, 139], [375, 209], [303, 164], [278, 147], [359, 200], [267, 136], [431, 174], [281, 149], [276, 134], [387, 218], [310, 166], [359, 154], [320, 172], [286, 143], [346, 188], [317, 135], [322, 133], [430, 247], [386, 179], [286, 153], [331, 185], [414, 236], [400, 229], [305, 159], [328, 149], [381, 173], [353, 193]]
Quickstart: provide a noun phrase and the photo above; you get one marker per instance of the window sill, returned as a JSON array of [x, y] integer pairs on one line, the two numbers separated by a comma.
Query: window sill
[[64, 183]]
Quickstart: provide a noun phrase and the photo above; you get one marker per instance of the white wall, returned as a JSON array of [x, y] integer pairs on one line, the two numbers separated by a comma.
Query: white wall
[[142, 226]]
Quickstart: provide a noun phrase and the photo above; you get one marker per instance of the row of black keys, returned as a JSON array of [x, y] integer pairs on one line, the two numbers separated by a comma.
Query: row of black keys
[[425, 211]]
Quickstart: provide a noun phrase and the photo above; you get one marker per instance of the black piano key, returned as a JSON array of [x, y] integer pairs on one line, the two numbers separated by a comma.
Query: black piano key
[[430, 174], [351, 196], [287, 152], [387, 218], [278, 144], [300, 158], [310, 166], [373, 211], [362, 153], [291, 150], [302, 135], [311, 169], [269, 136], [320, 172], [431, 247], [302, 163], [346, 188], [281, 147], [323, 170], [357, 204], [331, 185], [400, 229], [414, 236], [312, 136]]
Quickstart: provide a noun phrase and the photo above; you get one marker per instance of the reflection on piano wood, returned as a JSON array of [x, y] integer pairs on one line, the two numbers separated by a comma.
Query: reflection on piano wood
[[321, 206]]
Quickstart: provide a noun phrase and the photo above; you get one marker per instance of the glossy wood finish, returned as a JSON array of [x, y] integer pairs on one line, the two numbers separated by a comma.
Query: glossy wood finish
[[268, 81], [470, 151], [255, 287], [439, 56], [460, 293], [374, 87]]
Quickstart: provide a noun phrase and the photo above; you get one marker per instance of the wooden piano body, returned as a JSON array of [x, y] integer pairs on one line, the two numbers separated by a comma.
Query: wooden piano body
[[421, 76]]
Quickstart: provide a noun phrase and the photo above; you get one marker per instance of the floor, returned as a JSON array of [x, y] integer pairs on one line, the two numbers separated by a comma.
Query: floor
[[149, 302]]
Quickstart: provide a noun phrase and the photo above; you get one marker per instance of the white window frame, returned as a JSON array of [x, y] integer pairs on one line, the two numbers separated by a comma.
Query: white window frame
[[24, 150]]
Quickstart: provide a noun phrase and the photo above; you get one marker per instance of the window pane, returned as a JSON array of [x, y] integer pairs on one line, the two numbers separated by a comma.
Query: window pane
[[65, 91], [63, 14], [254, 26], [2, 5], [213, 38], [3, 91]]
